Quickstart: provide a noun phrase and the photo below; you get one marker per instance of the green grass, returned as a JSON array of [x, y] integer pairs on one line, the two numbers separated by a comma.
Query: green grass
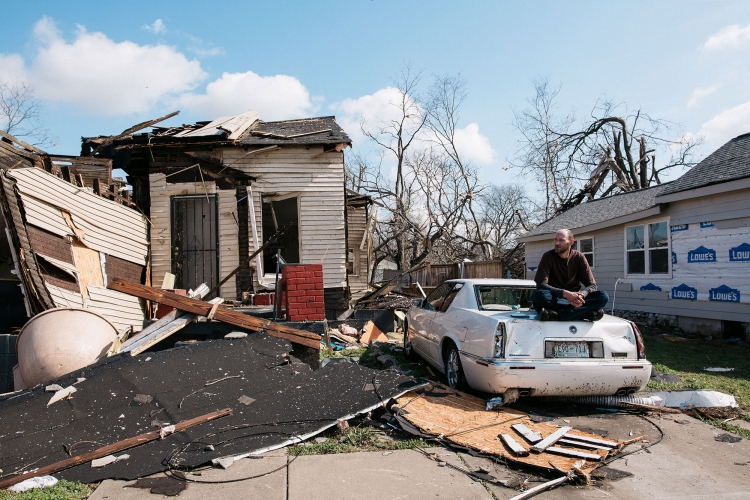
[[63, 490], [688, 359], [368, 356], [353, 440]]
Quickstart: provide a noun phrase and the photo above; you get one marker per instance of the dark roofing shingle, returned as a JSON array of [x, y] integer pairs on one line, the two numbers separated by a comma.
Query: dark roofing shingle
[[601, 210], [323, 130], [729, 162]]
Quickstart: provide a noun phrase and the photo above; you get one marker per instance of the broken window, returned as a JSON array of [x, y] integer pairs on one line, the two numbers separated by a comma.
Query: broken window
[[277, 213], [586, 247], [647, 248], [352, 266]]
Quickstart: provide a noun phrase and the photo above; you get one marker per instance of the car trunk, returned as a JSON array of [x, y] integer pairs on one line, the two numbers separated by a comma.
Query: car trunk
[[530, 339]]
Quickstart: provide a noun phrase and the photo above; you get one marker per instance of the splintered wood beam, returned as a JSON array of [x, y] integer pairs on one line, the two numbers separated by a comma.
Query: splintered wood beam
[[112, 448], [202, 308], [550, 440]]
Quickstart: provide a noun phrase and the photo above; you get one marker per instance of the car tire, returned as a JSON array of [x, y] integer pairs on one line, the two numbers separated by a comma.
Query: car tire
[[454, 372], [408, 350]]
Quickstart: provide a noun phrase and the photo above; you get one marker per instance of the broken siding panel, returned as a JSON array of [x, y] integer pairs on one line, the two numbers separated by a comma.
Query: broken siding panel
[[319, 179], [121, 309], [228, 245], [96, 209], [62, 297], [109, 227], [161, 221]]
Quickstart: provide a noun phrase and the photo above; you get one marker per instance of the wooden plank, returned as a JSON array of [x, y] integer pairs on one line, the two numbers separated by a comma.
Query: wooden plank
[[542, 487], [519, 450], [602, 442], [530, 436], [112, 448], [222, 313], [158, 335], [573, 453], [550, 440], [582, 444]]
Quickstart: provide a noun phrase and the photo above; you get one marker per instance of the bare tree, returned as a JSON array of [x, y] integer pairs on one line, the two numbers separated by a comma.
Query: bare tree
[[21, 112], [613, 150]]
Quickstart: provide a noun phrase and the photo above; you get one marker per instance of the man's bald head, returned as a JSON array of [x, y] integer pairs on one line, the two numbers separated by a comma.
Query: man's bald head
[[563, 240]]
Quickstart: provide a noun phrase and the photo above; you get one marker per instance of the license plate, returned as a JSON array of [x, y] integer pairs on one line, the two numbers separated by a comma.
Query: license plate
[[571, 350]]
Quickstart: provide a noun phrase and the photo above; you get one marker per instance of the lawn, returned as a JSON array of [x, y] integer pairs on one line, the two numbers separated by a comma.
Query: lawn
[[63, 490]]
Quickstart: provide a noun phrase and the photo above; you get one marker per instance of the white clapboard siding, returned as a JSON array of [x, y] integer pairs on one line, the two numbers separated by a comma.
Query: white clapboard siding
[[64, 298], [161, 221], [318, 179], [228, 242], [108, 226], [121, 309]]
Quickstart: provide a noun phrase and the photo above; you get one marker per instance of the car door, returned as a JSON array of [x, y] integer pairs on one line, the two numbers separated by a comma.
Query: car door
[[428, 339], [443, 323]]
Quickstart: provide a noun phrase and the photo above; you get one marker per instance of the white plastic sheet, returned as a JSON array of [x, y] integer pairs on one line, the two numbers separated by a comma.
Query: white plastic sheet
[[34, 482]]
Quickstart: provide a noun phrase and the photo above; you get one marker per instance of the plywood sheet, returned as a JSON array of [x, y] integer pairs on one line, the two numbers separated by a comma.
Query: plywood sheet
[[89, 266], [463, 420]]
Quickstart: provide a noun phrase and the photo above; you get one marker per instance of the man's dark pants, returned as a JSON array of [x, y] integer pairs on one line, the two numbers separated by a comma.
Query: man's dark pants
[[566, 312]]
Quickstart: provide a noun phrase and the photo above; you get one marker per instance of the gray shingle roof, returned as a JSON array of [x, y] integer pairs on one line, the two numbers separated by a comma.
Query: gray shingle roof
[[601, 210], [729, 162], [322, 130]]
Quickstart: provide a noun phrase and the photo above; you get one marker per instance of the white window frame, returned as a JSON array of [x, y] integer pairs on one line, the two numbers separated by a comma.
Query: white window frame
[[576, 246], [646, 250]]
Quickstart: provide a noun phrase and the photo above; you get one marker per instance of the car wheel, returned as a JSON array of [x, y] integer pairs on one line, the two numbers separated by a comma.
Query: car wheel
[[408, 351], [454, 372]]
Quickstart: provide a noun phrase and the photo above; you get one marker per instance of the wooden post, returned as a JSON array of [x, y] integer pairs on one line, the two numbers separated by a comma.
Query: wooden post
[[97, 187], [112, 448]]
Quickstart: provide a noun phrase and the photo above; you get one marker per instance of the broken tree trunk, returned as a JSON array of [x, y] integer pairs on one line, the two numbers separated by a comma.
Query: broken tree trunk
[[221, 314], [112, 448]]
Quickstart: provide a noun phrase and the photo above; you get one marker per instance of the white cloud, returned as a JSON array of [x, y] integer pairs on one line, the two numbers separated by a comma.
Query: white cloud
[[381, 108], [727, 124], [273, 97], [157, 27], [376, 110], [12, 68], [732, 36], [101, 76], [474, 146], [699, 93]]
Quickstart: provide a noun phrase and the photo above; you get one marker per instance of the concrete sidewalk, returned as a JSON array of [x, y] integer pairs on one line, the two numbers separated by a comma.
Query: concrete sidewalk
[[687, 463]]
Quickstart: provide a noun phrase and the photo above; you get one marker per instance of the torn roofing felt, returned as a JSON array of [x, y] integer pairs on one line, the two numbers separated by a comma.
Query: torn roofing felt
[[273, 401]]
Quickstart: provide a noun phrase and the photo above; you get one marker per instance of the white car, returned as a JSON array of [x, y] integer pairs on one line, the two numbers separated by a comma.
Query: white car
[[484, 334]]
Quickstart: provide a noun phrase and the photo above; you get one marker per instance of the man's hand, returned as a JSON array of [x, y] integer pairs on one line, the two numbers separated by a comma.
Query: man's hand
[[575, 298]]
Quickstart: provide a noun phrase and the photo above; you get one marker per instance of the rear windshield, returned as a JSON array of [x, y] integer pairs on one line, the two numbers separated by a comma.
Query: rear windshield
[[504, 298]]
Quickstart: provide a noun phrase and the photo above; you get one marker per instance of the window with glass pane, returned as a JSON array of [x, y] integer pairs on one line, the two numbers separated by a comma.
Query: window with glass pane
[[636, 255], [586, 247], [658, 244]]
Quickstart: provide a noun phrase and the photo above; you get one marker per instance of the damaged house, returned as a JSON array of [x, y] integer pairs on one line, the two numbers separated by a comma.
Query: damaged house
[[214, 191], [67, 227]]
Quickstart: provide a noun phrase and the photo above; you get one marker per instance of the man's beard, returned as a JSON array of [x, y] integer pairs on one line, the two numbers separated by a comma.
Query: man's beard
[[562, 250]]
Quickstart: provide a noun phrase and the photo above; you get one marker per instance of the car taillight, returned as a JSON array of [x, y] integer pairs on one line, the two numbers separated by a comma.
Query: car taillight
[[639, 342], [499, 340]]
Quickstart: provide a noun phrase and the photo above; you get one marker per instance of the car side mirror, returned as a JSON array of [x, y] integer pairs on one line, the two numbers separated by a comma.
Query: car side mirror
[[418, 302]]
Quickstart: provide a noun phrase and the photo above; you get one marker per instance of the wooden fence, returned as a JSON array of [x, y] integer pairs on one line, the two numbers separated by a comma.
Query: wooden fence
[[431, 275]]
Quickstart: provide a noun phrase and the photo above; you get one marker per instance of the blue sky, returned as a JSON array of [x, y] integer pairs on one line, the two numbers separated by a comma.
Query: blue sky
[[102, 66]]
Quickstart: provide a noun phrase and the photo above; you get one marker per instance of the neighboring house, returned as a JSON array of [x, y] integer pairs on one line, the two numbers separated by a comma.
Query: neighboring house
[[680, 249], [198, 183]]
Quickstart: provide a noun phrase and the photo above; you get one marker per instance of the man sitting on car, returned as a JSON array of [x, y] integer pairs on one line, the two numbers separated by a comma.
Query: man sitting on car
[[565, 287]]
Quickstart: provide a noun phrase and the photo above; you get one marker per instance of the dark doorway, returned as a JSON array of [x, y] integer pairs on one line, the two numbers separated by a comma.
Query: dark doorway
[[195, 241], [278, 214]]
